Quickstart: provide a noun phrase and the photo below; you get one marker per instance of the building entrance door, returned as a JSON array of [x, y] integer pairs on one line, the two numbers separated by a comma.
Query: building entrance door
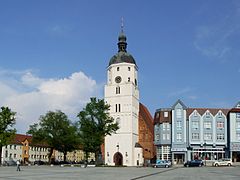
[[179, 158], [118, 159]]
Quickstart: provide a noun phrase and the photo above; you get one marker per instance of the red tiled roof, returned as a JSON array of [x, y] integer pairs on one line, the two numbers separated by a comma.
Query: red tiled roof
[[146, 116], [235, 110], [201, 111], [19, 138]]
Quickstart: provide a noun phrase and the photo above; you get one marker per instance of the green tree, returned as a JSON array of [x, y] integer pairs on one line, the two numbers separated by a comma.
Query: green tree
[[7, 132], [94, 124], [57, 131]]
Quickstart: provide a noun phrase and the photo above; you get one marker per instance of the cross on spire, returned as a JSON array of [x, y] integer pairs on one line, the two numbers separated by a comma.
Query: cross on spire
[[122, 24]]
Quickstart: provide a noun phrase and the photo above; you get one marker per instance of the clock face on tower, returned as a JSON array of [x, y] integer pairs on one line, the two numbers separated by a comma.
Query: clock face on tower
[[118, 79]]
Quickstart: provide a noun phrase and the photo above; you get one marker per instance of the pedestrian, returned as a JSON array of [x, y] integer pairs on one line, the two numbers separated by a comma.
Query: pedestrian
[[18, 165]]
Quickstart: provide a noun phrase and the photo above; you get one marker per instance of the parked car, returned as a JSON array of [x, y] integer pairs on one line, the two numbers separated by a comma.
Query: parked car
[[194, 163], [10, 163], [162, 163], [39, 162], [222, 162]]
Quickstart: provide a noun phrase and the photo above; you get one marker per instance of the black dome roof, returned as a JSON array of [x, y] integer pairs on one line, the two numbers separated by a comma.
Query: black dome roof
[[122, 56]]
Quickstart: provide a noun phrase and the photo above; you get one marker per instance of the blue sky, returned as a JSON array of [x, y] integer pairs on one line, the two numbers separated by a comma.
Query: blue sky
[[54, 54]]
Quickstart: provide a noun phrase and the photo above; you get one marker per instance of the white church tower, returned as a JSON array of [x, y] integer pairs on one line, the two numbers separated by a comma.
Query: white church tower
[[122, 94]]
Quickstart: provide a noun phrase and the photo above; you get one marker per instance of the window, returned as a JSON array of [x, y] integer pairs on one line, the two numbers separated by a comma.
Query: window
[[195, 125], [128, 79], [195, 113], [179, 113], [15, 146], [116, 108], [220, 125], [129, 69], [195, 136], [220, 136], [164, 136], [207, 114], [10, 147], [238, 115], [238, 136], [220, 114], [118, 68], [118, 90], [238, 125], [168, 136], [15, 156], [179, 125], [10, 155], [119, 107], [207, 125], [208, 136], [179, 137], [157, 137], [165, 114], [166, 126], [118, 120]]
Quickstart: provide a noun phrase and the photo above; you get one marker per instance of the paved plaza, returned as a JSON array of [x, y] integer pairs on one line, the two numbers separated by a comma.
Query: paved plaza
[[126, 173]]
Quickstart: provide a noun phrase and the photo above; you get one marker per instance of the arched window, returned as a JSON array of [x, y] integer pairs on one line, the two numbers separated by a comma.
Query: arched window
[[117, 90]]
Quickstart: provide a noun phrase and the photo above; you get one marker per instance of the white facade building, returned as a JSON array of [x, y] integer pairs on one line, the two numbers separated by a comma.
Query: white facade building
[[234, 133], [122, 94]]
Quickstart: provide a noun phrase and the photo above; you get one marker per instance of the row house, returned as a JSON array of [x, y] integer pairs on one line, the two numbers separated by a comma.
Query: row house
[[22, 148], [183, 133]]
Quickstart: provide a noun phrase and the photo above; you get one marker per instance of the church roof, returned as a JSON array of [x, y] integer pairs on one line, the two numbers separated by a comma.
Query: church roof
[[146, 116], [122, 56]]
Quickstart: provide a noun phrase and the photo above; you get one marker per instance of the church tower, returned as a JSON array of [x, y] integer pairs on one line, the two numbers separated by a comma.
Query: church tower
[[122, 94]]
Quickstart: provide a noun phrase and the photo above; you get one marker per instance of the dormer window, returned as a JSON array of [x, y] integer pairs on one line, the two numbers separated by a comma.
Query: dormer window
[[195, 113], [179, 113], [166, 114], [207, 114], [238, 105]]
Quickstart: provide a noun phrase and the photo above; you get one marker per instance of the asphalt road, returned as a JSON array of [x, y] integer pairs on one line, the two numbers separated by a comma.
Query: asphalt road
[[126, 173]]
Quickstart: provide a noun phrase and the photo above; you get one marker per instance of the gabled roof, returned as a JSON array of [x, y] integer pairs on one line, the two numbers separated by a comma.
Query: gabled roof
[[237, 105], [201, 111], [179, 102]]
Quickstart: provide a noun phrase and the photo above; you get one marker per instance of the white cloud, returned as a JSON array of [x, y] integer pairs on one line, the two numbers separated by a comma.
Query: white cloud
[[31, 96]]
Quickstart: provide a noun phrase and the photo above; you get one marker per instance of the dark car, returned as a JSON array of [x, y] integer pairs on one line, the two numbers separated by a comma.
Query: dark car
[[194, 163], [9, 163], [39, 162]]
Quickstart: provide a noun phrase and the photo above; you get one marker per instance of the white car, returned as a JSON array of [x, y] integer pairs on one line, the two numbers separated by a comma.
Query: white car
[[222, 162]]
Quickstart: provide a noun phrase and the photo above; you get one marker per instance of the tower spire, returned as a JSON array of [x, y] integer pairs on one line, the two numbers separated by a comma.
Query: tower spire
[[122, 25], [122, 44]]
